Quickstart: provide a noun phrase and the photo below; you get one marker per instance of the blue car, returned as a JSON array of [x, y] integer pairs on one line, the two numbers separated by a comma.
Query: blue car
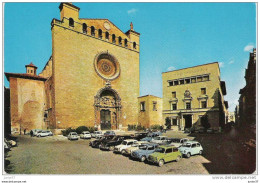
[[150, 136], [143, 152]]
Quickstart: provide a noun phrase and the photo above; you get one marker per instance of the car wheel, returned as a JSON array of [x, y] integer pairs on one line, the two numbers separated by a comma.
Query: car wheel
[[188, 155], [143, 158], [123, 152], [178, 158], [200, 152], [161, 162], [111, 148]]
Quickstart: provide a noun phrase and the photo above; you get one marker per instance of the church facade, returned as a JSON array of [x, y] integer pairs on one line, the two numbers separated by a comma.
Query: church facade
[[91, 79]]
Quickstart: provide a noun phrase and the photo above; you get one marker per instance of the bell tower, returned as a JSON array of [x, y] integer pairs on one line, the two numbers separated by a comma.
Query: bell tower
[[31, 69]]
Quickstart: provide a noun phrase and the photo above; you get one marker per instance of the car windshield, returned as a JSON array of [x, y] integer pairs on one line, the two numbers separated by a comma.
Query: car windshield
[[143, 147], [160, 150], [124, 142], [186, 145], [74, 133], [176, 140], [98, 133]]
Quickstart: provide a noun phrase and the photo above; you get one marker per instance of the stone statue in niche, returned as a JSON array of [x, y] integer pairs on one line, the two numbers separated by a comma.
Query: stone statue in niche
[[187, 94]]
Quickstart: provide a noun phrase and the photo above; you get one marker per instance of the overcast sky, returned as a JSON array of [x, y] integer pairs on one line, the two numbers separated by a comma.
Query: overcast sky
[[173, 36]]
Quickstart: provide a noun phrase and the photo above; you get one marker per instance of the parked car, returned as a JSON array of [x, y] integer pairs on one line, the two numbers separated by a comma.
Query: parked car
[[149, 137], [164, 154], [110, 144], [96, 134], [177, 142], [85, 135], [109, 133], [73, 136], [36, 131], [96, 143], [144, 151], [44, 133], [125, 144], [159, 139], [134, 147], [191, 148], [140, 135]]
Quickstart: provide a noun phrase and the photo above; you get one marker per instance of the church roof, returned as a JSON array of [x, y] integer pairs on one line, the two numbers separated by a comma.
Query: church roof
[[25, 76]]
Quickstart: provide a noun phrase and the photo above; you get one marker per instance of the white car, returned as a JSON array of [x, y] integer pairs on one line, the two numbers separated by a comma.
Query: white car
[[134, 147], [125, 144], [191, 148], [36, 131], [160, 140], [73, 136], [96, 134], [44, 133], [177, 142], [85, 135]]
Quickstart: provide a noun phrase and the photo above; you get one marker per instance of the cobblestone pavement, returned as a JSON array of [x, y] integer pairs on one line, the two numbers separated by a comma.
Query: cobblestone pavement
[[57, 155]]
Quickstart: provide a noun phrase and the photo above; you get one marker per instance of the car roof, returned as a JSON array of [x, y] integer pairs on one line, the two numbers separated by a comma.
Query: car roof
[[130, 140], [191, 142], [167, 146], [162, 136]]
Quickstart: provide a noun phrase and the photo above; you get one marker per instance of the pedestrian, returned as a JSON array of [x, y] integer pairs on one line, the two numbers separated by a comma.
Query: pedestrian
[[31, 133], [24, 131]]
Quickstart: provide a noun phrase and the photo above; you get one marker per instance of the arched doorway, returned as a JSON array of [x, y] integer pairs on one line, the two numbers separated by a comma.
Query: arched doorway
[[107, 109]]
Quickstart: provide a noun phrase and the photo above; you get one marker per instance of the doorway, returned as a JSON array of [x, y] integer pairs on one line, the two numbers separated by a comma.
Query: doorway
[[105, 119], [188, 121]]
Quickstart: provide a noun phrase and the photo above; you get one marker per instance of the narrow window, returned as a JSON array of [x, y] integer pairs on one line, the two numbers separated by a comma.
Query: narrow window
[[170, 83], [181, 81], [174, 106], [193, 80], [187, 81], [113, 38], [100, 33], [134, 45], [31, 71], [174, 122], [176, 82], [203, 91], [206, 78], [154, 106], [173, 94], [92, 31], [120, 41], [199, 78], [107, 36], [126, 43], [84, 28], [71, 22], [188, 105], [142, 106], [203, 104]]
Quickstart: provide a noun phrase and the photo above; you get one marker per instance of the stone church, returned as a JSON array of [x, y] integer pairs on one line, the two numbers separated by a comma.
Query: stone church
[[91, 78]]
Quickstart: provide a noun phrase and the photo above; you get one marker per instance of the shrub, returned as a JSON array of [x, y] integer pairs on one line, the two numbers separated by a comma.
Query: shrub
[[80, 129], [156, 127], [92, 129], [67, 131], [140, 128], [131, 127]]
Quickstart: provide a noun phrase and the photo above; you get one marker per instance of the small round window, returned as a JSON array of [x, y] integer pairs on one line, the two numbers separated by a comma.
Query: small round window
[[107, 66]]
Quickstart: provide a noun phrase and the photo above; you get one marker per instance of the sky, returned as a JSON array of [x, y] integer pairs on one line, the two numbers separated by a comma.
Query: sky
[[173, 36]]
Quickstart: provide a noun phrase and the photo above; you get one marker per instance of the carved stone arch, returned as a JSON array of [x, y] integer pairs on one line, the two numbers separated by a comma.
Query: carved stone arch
[[108, 89]]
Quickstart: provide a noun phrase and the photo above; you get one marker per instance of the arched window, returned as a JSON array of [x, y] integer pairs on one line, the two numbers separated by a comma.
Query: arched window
[[71, 22], [134, 45], [120, 41], [100, 33], [92, 31], [107, 35], [113, 38], [125, 42], [84, 28]]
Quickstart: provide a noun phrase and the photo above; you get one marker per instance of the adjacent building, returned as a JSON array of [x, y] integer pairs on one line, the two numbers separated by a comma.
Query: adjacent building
[[194, 96], [150, 111], [91, 78], [247, 100]]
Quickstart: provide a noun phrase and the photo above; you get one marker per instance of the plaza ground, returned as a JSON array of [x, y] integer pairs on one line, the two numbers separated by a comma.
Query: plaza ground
[[223, 154]]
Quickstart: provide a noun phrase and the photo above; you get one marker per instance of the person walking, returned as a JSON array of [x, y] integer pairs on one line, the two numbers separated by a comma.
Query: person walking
[[31, 133]]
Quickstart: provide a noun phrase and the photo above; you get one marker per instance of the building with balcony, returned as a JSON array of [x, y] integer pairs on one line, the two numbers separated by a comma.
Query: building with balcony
[[194, 96]]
